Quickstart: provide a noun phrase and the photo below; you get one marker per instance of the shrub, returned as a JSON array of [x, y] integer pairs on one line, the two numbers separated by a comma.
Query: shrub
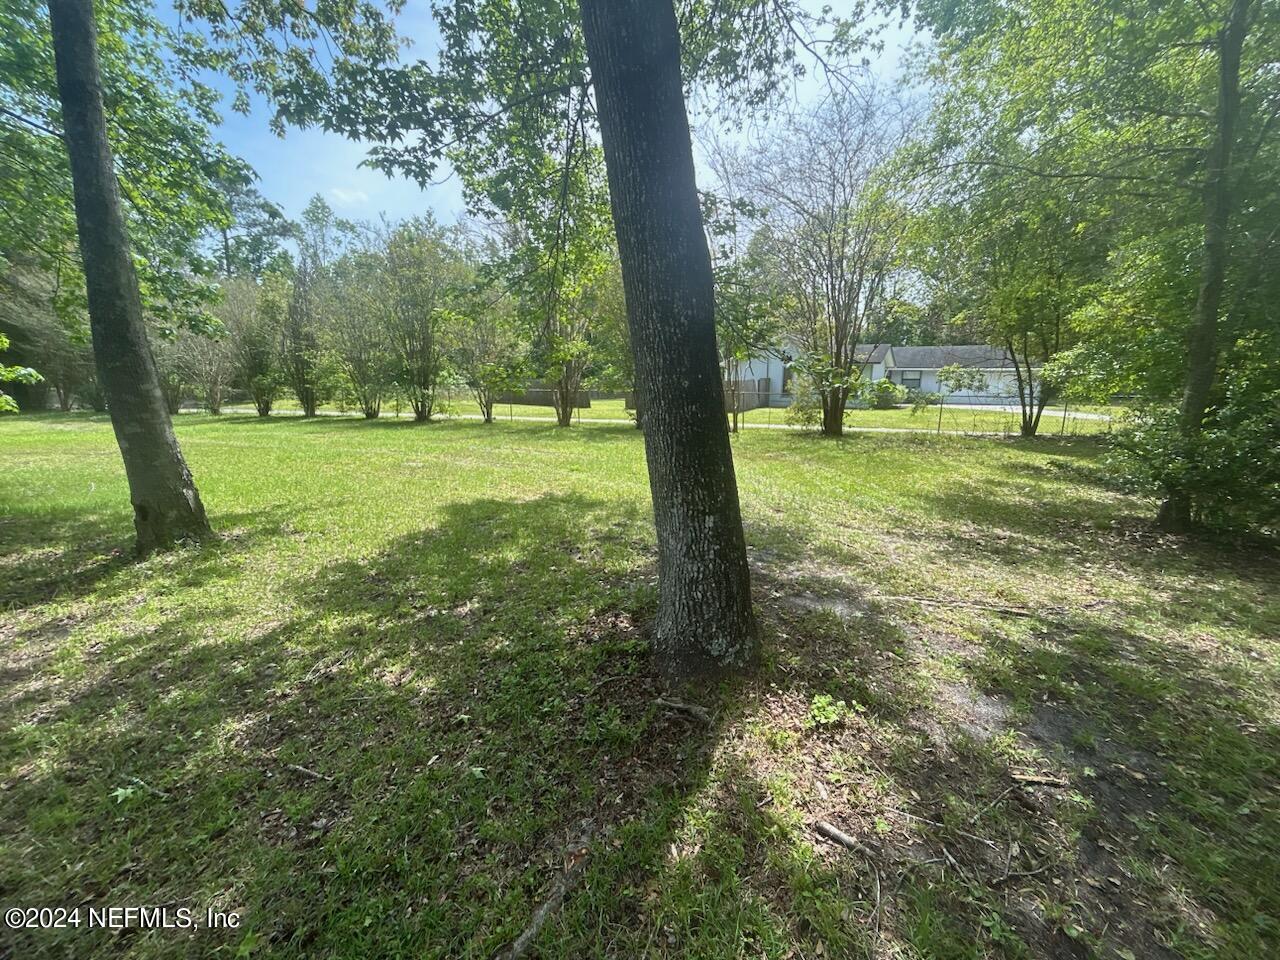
[[883, 394], [806, 405], [1230, 472]]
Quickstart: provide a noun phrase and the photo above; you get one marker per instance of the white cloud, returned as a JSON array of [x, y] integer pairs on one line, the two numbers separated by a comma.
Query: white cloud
[[348, 197]]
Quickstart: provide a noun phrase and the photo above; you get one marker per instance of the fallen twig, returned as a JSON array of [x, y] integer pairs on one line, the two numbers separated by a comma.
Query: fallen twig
[[309, 772], [1021, 874], [692, 709], [1004, 793], [149, 788], [555, 896], [1039, 778], [943, 826], [969, 605], [836, 835]]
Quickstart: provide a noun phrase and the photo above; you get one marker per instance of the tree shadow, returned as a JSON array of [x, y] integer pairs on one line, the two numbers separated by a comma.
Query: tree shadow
[[394, 758]]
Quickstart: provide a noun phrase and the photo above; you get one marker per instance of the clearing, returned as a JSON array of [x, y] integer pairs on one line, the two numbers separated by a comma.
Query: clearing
[[380, 712]]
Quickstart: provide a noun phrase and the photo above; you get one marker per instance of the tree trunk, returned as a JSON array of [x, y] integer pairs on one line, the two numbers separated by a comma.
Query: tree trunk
[[1202, 342], [166, 505], [833, 401], [563, 396], [705, 625]]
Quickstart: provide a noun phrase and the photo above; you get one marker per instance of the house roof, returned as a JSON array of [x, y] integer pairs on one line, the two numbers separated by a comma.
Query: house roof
[[870, 352], [975, 355]]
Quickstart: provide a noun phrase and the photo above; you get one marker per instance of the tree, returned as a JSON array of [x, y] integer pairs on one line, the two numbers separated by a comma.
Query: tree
[[426, 273], [207, 363], [1016, 261], [13, 374], [838, 211], [44, 316], [749, 303], [486, 345], [249, 240], [255, 340], [300, 338], [208, 360], [705, 622], [321, 238], [509, 93], [358, 327], [1167, 113], [166, 505]]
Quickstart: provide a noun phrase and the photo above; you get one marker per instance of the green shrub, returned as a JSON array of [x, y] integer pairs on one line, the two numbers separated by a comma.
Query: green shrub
[[1231, 471], [806, 405], [883, 394]]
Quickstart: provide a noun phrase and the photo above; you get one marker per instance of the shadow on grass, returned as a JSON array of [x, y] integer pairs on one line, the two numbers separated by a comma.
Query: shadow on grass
[[1074, 786], [392, 755]]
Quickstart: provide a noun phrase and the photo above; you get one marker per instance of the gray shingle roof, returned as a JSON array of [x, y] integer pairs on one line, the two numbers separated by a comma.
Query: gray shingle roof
[[966, 355], [870, 352]]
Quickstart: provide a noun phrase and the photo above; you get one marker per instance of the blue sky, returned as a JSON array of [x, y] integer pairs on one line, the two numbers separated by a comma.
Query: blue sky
[[294, 168], [304, 163]]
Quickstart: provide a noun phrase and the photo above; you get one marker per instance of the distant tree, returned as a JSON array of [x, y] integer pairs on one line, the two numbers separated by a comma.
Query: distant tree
[[487, 347], [321, 239], [170, 369], [838, 212], [748, 300], [255, 335], [249, 241], [358, 330], [1016, 260], [426, 273], [42, 309], [13, 374], [207, 361]]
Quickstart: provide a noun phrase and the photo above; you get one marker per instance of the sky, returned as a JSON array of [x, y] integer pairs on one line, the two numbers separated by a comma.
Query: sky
[[303, 163]]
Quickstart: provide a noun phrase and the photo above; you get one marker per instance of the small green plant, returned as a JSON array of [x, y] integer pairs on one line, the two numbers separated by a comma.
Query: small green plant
[[826, 711]]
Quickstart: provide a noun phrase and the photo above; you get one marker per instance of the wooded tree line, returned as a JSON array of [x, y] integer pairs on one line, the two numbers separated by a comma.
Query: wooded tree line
[[1091, 185]]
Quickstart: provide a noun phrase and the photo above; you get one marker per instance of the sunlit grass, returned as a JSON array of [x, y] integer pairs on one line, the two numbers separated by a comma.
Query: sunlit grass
[[445, 623]]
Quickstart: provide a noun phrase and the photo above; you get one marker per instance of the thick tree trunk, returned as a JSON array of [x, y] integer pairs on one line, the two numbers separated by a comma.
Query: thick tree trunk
[[166, 506], [705, 624], [1202, 342], [833, 402]]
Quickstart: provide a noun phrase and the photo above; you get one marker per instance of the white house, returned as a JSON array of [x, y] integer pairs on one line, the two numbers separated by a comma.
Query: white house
[[765, 380], [917, 369]]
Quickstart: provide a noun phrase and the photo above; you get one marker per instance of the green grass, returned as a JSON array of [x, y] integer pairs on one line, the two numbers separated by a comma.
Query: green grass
[[457, 403], [446, 623]]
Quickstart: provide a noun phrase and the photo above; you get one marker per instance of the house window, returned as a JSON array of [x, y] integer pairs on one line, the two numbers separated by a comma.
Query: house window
[[911, 379]]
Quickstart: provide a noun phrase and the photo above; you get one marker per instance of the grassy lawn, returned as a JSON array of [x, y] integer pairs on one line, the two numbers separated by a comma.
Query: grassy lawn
[[952, 420], [409, 675]]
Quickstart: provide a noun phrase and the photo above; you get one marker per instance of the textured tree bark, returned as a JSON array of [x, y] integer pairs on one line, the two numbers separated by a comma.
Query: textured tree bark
[[705, 624], [1202, 342], [833, 402], [166, 506]]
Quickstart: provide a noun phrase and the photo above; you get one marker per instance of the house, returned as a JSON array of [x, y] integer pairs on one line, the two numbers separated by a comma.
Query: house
[[916, 368], [766, 379]]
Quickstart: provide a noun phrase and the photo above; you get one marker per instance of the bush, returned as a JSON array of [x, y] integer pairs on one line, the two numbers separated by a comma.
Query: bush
[[1230, 472], [883, 394], [806, 405]]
